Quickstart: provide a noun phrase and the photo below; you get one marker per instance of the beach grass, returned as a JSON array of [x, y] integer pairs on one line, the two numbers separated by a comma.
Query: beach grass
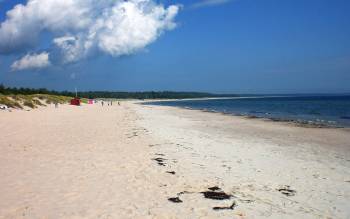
[[5, 100], [32, 101]]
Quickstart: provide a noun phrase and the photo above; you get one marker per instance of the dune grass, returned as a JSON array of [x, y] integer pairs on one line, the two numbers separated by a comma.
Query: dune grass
[[5, 100], [32, 101], [52, 99]]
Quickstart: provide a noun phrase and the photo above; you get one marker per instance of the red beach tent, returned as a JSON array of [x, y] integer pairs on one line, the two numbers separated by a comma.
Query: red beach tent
[[75, 101]]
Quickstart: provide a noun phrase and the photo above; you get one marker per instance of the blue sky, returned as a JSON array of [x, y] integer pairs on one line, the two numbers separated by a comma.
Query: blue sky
[[241, 46]]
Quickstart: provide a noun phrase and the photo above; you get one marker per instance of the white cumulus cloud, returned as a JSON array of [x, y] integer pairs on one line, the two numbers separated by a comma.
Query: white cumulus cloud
[[31, 61], [80, 28]]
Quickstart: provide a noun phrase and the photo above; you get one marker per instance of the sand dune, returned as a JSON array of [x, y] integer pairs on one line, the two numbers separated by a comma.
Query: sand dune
[[127, 161]]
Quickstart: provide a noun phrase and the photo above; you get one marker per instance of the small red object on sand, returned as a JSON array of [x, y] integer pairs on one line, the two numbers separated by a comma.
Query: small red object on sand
[[75, 101]]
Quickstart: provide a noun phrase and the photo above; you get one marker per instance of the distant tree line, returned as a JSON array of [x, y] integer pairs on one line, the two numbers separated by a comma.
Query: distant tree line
[[112, 94]]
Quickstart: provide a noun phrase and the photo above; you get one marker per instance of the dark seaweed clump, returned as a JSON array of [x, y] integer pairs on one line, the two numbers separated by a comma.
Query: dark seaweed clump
[[214, 188], [171, 172], [231, 207], [175, 200], [160, 161], [287, 191], [216, 195]]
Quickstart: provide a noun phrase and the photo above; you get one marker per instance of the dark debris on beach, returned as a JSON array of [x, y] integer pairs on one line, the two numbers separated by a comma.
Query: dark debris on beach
[[175, 200], [216, 195], [231, 207], [160, 161], [214, 188], [286, 190]]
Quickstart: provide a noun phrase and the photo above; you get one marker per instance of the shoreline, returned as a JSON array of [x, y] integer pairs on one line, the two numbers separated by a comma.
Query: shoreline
[[253, 121], [294, 122], [245, 97], [297, 122]]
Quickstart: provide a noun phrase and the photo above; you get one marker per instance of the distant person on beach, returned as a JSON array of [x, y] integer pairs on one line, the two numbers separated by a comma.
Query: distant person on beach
[[111, 103], [102, 103], [118, 103]]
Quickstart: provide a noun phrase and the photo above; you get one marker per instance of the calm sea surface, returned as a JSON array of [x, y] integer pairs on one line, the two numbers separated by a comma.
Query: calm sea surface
[[323, 110]]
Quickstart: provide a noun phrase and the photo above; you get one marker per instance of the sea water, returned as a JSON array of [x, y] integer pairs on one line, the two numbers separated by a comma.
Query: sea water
[[319, 110]]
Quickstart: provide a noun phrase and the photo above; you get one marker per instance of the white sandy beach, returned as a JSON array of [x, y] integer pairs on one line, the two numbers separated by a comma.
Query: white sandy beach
[[98, 162]]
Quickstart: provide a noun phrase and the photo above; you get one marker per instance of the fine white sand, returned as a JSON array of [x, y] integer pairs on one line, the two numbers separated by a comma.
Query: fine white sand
[[97, 162]]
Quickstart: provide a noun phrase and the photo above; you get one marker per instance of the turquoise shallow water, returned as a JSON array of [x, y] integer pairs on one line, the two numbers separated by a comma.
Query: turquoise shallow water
[[325, 110]]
